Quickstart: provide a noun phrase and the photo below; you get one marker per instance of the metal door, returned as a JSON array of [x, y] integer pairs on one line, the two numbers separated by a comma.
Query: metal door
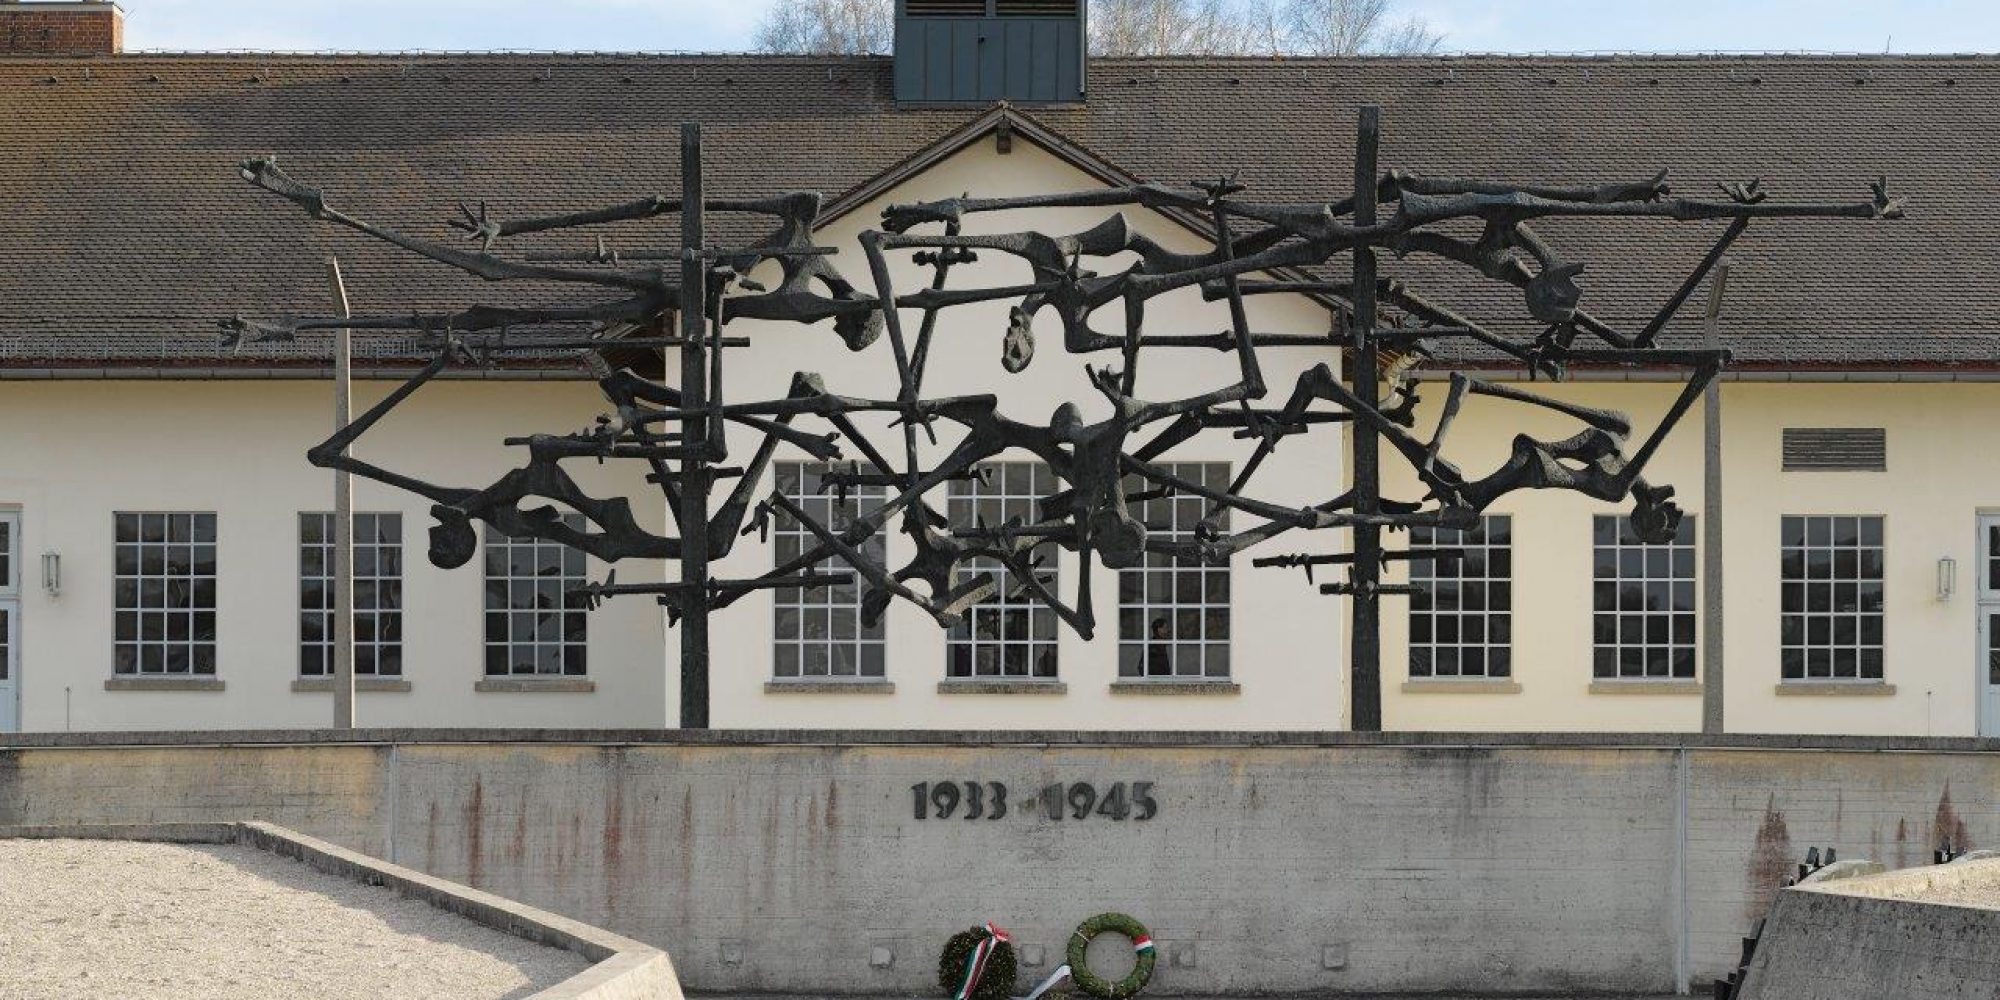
[[11, 573], [1987, 577]]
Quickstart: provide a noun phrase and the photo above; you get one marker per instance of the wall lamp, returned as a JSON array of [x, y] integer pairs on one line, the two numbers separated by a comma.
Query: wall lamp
[[1947, 578], [52, 572]]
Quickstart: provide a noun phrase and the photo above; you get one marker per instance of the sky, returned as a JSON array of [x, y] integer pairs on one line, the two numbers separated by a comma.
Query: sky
[[728, 25]]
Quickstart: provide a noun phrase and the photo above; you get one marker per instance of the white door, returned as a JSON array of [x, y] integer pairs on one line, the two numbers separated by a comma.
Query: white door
[[1987, 589], [11, 572]]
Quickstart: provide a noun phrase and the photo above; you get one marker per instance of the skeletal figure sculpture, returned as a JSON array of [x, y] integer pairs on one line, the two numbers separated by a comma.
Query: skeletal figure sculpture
[[1280, 249]]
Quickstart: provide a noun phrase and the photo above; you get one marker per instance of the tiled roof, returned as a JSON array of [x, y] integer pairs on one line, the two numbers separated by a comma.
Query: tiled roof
[[125, 232]]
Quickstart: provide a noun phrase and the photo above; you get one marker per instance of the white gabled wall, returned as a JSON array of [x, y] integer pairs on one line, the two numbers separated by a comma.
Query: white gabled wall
[[1287, 653], [238, 448]]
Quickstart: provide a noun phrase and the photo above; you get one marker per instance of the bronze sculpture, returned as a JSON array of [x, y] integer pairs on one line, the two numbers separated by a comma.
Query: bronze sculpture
[[1093, 460]]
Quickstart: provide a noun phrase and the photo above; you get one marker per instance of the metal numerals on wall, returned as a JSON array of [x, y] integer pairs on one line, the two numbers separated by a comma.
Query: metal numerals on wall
[[1078, 800], [612, 306]]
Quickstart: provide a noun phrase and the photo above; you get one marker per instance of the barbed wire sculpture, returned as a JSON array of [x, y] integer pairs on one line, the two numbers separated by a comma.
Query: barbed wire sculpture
[[1256, 248]]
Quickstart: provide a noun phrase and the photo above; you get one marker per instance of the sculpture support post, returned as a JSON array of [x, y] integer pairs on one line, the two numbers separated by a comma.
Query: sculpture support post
[[1365, 685], [1711, 519], [343, 515], [694, 596]]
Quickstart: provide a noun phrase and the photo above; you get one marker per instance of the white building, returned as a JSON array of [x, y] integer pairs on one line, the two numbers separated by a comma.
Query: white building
[[165, 479]]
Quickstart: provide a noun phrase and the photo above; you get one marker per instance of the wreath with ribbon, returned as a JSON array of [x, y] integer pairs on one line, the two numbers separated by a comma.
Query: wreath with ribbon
[[978, 964], [1142, 948]]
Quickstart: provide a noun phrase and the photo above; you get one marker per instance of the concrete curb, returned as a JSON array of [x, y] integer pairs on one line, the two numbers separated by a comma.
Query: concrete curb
[[621, 969]]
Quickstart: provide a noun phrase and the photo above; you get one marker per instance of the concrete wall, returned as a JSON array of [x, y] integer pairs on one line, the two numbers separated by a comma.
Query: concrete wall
[[1924, 934], [777, 862], [1930, 500]]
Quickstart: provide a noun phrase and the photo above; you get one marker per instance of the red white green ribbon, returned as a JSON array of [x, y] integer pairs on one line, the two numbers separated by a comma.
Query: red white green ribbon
[[975, 963], [1142, 944]]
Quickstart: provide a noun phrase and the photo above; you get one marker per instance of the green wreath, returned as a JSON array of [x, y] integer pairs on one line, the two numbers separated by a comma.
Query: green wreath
[[1142, 947], [996, 984]]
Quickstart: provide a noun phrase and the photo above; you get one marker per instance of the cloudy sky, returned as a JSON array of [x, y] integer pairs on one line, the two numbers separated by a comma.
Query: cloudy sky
[[726, 25]]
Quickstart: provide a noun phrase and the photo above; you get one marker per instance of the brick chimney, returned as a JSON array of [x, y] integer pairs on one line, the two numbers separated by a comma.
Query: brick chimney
[[61, 27]]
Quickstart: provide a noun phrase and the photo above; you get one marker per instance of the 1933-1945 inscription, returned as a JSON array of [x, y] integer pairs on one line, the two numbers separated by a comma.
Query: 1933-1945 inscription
[[989, 800]]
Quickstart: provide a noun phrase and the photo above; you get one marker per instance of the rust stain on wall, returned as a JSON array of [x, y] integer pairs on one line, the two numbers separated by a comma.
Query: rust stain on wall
[[1902, 842], [1946, 824], [475, 816], [1771, 861], [517, 849], [614, 837], [431, 841]]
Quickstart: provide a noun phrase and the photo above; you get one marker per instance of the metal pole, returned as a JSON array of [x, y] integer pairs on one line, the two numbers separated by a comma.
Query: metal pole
[[1711, 519], [343, 516], [1365, 688], [694, 436]]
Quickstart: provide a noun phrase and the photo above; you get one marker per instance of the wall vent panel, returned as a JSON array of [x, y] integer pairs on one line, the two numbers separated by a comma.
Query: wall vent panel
[[1836, 449]]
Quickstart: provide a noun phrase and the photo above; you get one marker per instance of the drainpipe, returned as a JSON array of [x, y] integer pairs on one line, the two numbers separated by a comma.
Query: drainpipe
[[1711, 519]]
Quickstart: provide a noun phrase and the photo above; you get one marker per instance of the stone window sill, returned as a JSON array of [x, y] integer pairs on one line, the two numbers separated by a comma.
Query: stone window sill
[[361, 683], [156, 682], [1176, 686], [1858, 689], [814, 685], [1430, 685], [1645, 687], [981, 685], [535, 685]]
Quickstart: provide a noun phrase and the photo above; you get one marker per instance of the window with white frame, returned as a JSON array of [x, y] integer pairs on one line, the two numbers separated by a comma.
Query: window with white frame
[[378, 594], [1830, 600], [1642, 603], [533, 625], [819, 632], [1173, 614], [1461, 622], [1009, 634], [163, 593]]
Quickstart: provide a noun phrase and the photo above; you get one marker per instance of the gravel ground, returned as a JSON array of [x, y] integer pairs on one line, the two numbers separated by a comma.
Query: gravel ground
[[116, 920]]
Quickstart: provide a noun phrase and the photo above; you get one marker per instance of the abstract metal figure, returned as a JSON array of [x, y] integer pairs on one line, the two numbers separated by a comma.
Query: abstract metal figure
[[678, 430]]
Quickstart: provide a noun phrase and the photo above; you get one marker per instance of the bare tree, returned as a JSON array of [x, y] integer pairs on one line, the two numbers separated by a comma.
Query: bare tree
[[1354, 27], [1136, 28], [1255, 28], [828, 27], [1177, 27]]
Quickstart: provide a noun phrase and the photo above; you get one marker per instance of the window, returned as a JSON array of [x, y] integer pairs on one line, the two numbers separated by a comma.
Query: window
[[532, 625], [1009, 634], [163, 593], [378, 594], [1173, 615], [1461, 622], [1642, 603], [819, 630], [1831, 600]]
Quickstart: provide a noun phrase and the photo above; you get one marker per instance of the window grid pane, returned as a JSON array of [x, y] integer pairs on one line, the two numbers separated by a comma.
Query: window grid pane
[[1461, 621], [1830, 598], [1007, 634], [163, 585], [533, 626], [1642, 603], [378, 594], [819, 632], [1173, 614]]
